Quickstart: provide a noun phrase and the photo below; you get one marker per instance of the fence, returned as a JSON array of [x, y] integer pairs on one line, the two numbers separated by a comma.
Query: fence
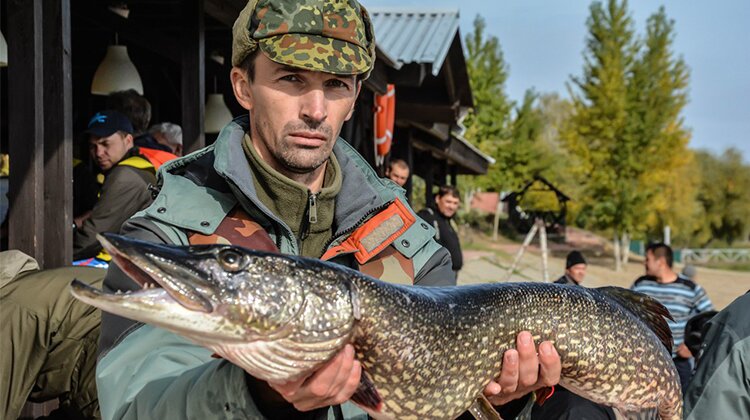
[[706, 255]]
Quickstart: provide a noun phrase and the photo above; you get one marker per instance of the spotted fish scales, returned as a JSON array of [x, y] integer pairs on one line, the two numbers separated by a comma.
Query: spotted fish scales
[[425, 352]]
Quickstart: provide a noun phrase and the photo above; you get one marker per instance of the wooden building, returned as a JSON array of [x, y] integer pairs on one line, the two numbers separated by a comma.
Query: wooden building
[[55, 47]]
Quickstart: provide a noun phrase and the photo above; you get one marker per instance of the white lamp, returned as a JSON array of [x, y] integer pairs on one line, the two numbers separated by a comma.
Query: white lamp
[[116, 72], [3, 51], [217, 113]]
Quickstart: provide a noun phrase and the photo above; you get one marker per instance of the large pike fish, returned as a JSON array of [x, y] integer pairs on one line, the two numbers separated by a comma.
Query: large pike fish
[[425, 352]]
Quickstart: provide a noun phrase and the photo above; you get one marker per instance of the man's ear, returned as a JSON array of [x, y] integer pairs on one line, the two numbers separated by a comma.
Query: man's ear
[[129, 140], [354, 102], [241, 87]]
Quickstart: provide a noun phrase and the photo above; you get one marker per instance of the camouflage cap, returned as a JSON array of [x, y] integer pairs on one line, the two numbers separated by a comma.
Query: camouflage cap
[[333, 36]]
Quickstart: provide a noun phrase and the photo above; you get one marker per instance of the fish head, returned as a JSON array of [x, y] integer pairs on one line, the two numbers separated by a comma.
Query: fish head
[[215, 292]]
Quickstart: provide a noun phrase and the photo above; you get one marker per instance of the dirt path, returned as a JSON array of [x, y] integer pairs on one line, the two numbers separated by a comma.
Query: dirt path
[[491, 265]]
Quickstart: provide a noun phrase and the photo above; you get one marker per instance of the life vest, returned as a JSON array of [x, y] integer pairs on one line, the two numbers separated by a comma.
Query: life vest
[[156, 157], [385, 113]]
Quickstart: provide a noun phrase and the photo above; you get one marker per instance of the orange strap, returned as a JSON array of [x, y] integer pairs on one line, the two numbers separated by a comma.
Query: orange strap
[[376, 234]]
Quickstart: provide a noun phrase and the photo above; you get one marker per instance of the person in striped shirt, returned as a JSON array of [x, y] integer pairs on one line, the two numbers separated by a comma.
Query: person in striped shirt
[[681, 296]]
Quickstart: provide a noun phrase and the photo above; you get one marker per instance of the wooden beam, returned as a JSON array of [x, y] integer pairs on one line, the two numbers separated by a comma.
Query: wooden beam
[[193, 80], [58, 135], [424, 112], [26, 127]]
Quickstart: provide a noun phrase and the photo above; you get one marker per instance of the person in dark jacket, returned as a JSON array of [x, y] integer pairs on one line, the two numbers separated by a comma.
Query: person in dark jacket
[[127, 176], [575, 269], [563, 404], [447, 202]]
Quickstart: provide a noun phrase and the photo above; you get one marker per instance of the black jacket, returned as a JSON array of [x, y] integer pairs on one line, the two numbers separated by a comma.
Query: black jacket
[[445, 235]]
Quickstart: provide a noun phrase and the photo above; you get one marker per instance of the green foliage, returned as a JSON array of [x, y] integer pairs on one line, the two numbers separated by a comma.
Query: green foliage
[[724, 197], [509, 139]]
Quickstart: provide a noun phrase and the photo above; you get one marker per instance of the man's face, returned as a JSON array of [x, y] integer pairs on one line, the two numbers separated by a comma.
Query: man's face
[[107, 151], [447, 205], [577, 272], [398, 175], [296, 115], [653, 264]]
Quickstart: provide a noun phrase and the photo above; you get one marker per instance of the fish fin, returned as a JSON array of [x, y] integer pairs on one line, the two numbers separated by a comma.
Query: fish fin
[[645, 308], [649, 414], [481, 409], [543, 394], [367, 395]]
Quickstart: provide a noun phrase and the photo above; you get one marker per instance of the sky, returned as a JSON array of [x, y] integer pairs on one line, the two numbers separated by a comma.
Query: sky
[[543, 44]]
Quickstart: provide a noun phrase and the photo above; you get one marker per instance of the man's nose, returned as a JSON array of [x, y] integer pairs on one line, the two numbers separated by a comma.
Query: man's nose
[[314, 106]]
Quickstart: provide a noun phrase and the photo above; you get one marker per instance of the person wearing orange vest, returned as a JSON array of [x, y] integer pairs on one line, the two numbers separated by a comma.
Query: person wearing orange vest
[[127, 175]]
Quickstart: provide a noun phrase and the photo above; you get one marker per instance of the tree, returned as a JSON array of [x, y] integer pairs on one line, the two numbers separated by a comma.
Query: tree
[[724, 196], [487, 125], [609, 162], [658, 94]]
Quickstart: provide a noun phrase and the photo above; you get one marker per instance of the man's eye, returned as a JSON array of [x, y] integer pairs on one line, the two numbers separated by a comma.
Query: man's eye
[[338, 84], [290, 78]]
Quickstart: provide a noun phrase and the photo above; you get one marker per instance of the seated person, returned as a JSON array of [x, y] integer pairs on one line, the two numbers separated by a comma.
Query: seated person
[[127, 176], [50, 338], [168, 134]]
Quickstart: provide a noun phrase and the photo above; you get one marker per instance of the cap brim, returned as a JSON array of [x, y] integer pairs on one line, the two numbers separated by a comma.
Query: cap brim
[[318, 53]]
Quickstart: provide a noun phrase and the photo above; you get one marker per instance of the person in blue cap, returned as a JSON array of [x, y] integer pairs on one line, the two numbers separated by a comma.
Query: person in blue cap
[[127, 175]]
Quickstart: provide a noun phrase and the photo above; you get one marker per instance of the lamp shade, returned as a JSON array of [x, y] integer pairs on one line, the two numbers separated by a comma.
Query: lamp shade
[[217, 113], [116, 72], [3, 51]]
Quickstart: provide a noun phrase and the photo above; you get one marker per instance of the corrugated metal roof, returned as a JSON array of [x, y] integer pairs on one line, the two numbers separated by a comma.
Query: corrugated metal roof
[[415, 36]]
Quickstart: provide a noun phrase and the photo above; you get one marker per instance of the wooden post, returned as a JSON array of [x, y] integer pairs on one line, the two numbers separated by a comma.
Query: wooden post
[[26, 127], [58, 135], [543, 245], [520, 252], [193, 82]]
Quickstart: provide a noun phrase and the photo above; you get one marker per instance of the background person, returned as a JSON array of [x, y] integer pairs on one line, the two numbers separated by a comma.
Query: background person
[[168, 134], [398, 172], [575, 269], [682, 297], [447, 201], [127, 176]]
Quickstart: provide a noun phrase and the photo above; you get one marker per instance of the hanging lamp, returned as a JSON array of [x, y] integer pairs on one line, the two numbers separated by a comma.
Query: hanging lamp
[[116, 72], [3, 51], [217, 112]]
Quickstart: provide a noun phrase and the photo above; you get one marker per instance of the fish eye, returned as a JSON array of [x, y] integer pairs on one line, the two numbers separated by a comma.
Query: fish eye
[[230, 259]]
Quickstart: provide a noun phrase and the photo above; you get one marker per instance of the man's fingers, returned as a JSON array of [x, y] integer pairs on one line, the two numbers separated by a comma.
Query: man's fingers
[[492, 388], [549, 362], [325, 382], [528, 362], [509, 376]]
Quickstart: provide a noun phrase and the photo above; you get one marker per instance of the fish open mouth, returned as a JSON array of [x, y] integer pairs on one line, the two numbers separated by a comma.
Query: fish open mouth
[[155, 266]]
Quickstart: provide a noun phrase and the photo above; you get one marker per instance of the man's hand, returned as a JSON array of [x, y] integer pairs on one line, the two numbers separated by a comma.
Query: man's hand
[[334, 383], [683, 351], [524, 371]]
